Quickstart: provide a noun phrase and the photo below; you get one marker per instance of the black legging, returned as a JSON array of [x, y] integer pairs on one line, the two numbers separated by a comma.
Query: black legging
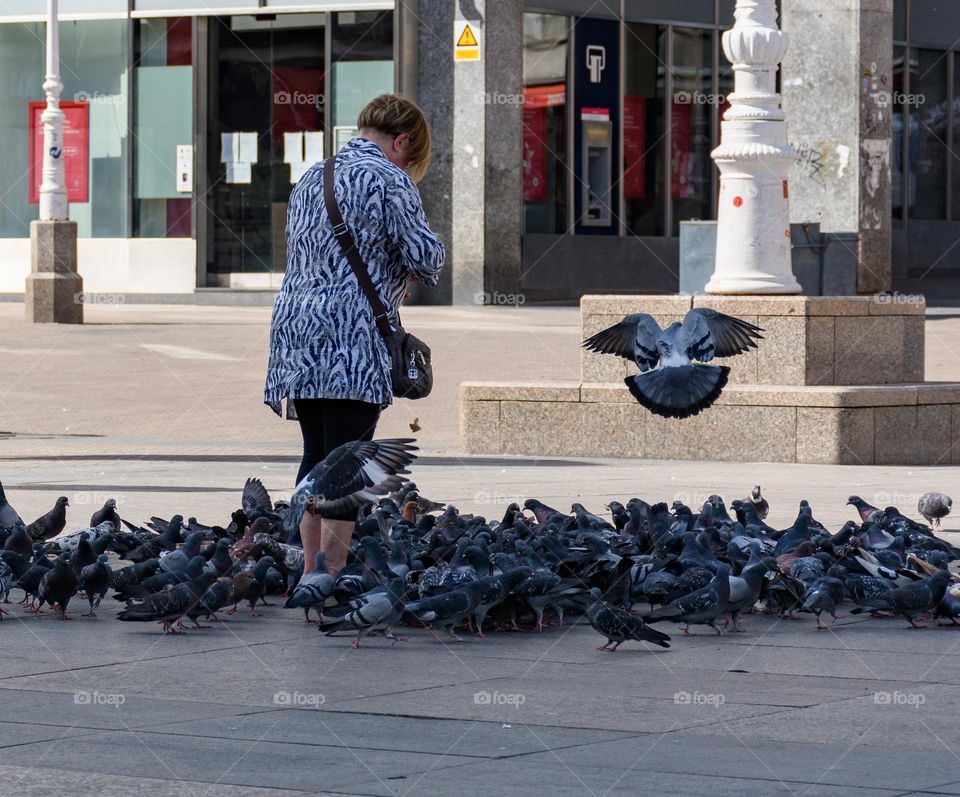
[[328, 423]]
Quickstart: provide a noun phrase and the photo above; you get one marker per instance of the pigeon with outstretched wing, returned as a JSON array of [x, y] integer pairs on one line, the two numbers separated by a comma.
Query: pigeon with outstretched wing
[[670, 383]]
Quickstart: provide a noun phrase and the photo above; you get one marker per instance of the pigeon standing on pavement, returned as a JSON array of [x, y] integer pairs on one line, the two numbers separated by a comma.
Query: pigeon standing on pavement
[[619, 625], [912, 600], [48, 526], [374, 611], [313, 590], [95, 581], [9, 519], [107, 512], [934, 507], [670, 384], [703, 606], [58, 585]]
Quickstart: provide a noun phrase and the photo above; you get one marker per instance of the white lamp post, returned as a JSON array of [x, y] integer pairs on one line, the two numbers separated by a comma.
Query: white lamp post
[[54, 290], [53, 188], [754, 158]]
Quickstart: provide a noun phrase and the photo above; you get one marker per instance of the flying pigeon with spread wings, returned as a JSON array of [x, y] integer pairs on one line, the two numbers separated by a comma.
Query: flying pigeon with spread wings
[[669, 383]]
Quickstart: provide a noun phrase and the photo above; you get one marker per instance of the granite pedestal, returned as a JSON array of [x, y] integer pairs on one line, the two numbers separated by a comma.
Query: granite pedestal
[[54, 289], [837, 380]]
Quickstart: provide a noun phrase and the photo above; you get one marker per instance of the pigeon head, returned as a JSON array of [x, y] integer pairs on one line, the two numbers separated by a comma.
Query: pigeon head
[[63, 501]]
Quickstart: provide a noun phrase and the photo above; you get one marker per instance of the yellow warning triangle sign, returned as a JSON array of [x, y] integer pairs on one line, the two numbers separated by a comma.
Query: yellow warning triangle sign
[[467, 39]]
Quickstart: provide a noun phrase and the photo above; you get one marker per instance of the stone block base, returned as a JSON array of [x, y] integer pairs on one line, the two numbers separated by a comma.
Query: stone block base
[[907, 424], [808, 340], [54, 289]]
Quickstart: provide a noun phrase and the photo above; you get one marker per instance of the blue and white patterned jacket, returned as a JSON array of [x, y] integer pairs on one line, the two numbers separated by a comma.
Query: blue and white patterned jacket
[[323, 339]]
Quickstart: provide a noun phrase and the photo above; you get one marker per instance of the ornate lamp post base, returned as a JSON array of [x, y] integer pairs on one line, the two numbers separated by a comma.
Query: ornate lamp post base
[[54, 290], [754, 159]]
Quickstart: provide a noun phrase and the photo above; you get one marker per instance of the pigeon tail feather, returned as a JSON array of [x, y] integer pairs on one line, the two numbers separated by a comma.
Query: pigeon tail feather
[[678, 392]]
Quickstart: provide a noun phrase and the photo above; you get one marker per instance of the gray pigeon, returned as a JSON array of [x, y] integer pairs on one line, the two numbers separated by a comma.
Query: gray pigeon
[[745, 588], [934, 507], [176, 561], [349, 476], [48, 526], [618, 625], [9, 519], [912, 600], [826, 594], [374, 611], [95, 581], [669, 383], [703, 606], [313, 590]]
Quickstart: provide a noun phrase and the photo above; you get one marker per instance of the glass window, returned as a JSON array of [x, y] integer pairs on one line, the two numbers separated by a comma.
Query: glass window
[[928, 131], [163, 120], [266, 121], [21, 76], [93, 66], [643, 129], [545, 169], [898, 140], [693, 101], [362, 55]]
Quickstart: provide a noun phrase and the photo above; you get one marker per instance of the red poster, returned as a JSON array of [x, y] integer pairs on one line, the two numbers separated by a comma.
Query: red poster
[[534, 154], [76, 150], [634, 162], [681, 157]]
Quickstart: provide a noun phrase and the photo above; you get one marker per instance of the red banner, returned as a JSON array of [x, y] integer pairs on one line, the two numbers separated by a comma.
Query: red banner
[[76, 150], [534, 153], [634, 144]]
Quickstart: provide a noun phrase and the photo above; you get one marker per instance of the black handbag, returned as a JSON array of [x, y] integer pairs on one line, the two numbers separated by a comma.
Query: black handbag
[[411, 374]]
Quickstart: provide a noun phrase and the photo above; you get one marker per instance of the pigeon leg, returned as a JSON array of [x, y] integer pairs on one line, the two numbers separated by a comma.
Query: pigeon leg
[[356, 643], [737, 628], [2, 612], [306, 615], [820, 626], [686, 629], [198, 625], [604, 647], [218, 619], [63, 613], [713, 625], [264, 602], [616, 644], [234, 609], [394, 637], [913, 624], [454, 634]]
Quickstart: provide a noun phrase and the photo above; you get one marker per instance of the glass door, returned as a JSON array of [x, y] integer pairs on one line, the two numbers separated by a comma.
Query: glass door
[[266, 120]]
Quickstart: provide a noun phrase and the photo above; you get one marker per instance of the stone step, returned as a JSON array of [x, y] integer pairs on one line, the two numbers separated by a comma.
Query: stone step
[[898, 424]]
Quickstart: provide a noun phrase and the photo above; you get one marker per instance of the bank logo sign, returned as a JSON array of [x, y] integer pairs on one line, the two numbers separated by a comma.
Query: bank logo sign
[[596, 61]]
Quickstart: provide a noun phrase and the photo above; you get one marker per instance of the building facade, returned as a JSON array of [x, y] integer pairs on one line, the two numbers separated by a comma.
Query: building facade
[[567, 152]]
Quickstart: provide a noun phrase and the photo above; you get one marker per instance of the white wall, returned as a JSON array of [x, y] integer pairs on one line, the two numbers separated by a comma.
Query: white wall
[[113, 265]]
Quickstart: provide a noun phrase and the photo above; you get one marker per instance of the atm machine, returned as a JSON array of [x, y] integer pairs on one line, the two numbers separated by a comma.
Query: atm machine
[[596, 158]]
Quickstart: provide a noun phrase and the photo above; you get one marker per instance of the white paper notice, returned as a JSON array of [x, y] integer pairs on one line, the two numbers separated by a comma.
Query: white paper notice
[[247, 148], [297, 170], [293, 147], [313, 146], [239, 172], [229, 148]]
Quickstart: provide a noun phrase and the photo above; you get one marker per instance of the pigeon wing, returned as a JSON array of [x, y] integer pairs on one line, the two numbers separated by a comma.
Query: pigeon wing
[[360, 471], [706, 334], [634, 338], [255, 497]]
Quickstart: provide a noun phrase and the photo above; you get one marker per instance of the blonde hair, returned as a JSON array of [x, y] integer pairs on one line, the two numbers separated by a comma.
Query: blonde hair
[[392, 114]]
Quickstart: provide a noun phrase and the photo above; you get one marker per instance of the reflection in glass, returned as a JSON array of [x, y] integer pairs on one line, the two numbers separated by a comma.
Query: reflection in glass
[[643, 129], [690, 123], [163, 120], [898, 141], [928, 134], [545, 42]]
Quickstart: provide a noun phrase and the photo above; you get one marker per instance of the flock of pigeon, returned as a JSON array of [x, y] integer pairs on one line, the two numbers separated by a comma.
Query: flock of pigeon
[[420, 563]]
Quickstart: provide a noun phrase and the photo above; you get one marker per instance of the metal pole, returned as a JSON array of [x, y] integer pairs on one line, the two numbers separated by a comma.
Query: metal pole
[[53, 189]]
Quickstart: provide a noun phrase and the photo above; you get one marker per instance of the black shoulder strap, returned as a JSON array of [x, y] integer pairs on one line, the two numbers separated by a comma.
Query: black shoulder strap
[[345, 239]]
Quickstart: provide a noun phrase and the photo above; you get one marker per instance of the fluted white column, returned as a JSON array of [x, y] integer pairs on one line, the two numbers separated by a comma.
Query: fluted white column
[[53, 187], [754, 159]]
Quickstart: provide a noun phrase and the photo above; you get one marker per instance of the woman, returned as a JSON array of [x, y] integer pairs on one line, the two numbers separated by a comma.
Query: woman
[[327, 357]]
